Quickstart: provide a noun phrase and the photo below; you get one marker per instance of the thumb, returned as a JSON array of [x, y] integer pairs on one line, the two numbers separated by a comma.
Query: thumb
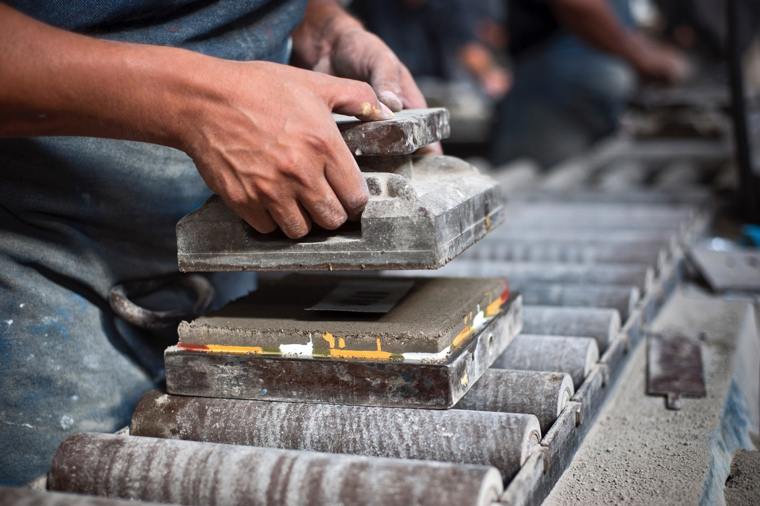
[[355, 98]]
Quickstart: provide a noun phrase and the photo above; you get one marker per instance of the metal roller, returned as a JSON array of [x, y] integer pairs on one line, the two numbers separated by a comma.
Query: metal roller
[[572, 355], [522, 273], [600, 324], [690, 196], [594, 221], [678, 174], [27, 497], [621, 298], [565, 234], [543, 394], [517, 175], [192, 473], [513, 250], [546, 212], [502, 440], [622, 176]]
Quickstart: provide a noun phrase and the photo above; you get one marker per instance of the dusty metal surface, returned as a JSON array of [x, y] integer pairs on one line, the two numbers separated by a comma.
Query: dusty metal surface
[[502, 440], [736, 269], [415, 380], [408, 131], [189, 473], [674, 368]]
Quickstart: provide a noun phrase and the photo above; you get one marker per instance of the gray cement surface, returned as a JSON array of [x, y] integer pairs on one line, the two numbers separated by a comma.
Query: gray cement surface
[[638, 452], [427, 320]]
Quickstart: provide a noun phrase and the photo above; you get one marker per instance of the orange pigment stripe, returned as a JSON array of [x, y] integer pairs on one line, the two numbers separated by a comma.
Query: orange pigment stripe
[[494, 307], [368, 355], [215, 348], [492, 310]]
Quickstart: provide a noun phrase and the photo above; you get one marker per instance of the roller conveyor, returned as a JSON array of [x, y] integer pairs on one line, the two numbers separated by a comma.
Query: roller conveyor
[[199, 474], [563, 326]]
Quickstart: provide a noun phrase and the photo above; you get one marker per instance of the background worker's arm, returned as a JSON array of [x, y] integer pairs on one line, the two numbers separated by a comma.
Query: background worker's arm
[[261, 134], [595, 22]]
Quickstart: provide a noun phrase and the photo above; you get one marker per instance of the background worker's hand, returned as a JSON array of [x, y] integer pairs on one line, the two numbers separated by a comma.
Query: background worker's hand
[[659, 62], [266, 142]]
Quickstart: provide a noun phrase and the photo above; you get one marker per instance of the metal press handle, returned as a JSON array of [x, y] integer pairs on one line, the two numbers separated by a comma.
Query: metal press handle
[[120, 301]]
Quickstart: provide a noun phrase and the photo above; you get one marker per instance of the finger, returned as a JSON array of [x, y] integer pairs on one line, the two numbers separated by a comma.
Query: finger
[[386, 82], [324, 207], [434, 149], [410, 94], [344, 177], [355, 98], [293, 220], [255, 215]]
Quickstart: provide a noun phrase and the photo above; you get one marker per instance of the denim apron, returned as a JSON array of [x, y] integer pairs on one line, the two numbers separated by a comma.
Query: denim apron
[[78, 215]]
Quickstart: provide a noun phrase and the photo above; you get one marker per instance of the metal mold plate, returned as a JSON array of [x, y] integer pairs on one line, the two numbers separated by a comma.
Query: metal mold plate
[[393, 382], [416, 222]]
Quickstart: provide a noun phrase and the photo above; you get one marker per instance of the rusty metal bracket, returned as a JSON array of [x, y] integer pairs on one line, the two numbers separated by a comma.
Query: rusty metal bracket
[[674, 368]]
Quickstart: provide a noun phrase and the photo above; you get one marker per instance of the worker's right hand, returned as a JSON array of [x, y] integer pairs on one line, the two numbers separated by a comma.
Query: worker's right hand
[[264, 139]]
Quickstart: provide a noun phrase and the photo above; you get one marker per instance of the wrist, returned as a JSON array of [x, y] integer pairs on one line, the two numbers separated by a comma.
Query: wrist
[[634, 51]]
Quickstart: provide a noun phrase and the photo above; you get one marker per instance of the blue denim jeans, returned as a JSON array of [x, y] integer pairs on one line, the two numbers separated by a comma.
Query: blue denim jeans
[[565, 97], [78, 215]]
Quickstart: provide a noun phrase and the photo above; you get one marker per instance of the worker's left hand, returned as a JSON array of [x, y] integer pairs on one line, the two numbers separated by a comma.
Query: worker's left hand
[[346, 49], [361, 55]]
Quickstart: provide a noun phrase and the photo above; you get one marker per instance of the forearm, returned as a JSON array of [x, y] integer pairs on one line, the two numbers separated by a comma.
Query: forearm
[[595, 22], [324, 21], [60, 83]]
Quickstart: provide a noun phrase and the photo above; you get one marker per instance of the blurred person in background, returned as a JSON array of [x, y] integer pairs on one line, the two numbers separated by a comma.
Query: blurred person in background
[[435, 39], [575, 64]]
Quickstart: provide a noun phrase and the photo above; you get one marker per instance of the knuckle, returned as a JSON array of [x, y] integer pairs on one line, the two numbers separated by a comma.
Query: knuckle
[[264, 228], [236, 199], [334, 219], [295, 228], [357, 201]]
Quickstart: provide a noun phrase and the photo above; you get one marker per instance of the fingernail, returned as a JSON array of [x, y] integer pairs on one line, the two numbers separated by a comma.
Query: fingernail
[[386, 113], [391, 100]]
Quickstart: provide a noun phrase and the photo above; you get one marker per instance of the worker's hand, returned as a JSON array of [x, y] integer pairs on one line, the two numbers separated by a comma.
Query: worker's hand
[[261, 134], [655, 61], [359, 54], [266, 142], [496, 82], [332, 42]]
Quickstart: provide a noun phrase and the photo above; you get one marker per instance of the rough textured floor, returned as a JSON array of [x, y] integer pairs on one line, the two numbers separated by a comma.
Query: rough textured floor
[[743, 484], [638, 452]]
